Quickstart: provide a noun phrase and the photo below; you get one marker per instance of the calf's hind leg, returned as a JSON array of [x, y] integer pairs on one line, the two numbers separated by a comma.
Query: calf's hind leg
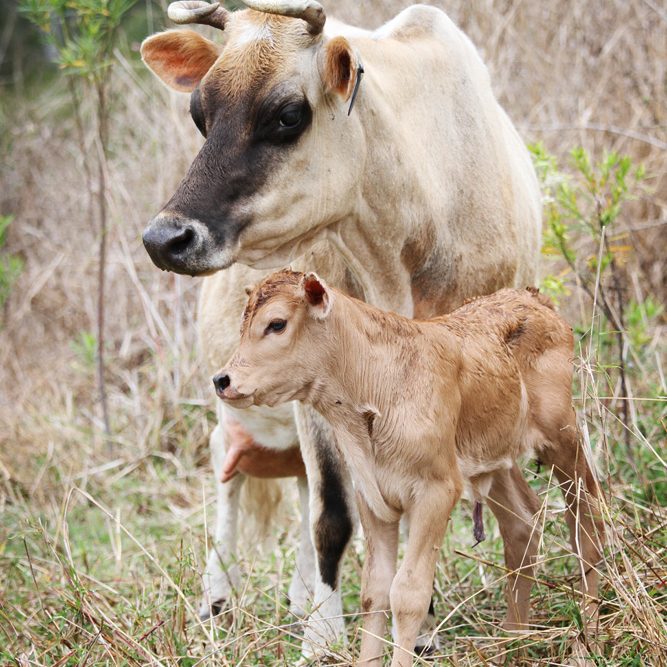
[[580, 490], [516, 509]]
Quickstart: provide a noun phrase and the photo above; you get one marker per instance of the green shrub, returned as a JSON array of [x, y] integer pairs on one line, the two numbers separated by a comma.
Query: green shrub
[[10, 265]]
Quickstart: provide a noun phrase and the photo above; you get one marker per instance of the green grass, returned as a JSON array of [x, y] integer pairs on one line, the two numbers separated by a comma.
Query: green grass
[[105, 569]]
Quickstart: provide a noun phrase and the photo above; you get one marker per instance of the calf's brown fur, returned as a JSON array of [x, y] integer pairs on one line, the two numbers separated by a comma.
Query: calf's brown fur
[[421, 411]]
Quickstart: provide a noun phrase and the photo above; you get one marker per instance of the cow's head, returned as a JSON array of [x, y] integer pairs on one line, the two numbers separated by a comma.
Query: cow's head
[[281, 155], [283, 345]]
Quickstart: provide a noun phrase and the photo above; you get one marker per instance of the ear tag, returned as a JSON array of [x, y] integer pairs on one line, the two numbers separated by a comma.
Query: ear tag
[[360, 73]]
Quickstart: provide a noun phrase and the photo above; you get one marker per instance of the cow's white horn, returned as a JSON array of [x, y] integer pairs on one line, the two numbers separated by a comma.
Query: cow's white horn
[[197, 11], [310, 11]]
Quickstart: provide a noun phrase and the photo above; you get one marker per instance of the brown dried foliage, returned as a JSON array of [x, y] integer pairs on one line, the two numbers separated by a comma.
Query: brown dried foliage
[[568, 73]]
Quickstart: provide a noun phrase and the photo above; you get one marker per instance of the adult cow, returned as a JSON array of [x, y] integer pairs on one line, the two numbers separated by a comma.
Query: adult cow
[[419, 197]]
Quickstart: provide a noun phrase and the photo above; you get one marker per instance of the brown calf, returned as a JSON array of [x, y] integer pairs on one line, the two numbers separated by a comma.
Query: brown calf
[[421, 411]]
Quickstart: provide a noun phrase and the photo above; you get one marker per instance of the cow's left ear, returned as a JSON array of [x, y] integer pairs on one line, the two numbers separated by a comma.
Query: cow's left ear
[[318, 296], [341, 67], [180, 58]]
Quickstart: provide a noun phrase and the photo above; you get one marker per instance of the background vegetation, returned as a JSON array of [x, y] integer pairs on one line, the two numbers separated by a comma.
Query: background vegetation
[[102, 538]]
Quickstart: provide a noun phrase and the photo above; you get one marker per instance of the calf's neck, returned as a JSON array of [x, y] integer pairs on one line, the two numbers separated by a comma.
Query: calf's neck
[[424, 410]]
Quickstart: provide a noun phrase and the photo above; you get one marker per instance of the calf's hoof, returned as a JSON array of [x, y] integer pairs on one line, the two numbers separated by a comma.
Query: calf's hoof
[[580, 655], [427, 643]]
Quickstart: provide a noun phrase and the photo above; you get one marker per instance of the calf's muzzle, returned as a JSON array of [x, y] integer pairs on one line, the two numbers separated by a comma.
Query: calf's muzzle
[[224, 389]]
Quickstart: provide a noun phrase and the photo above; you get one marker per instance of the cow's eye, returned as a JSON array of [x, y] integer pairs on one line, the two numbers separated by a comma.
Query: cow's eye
[[291, 116], [197, 112], [282, 123], [275, 326]]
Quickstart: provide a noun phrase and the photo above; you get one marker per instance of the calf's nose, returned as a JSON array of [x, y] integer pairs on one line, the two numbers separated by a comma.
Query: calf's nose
[[221, 382]]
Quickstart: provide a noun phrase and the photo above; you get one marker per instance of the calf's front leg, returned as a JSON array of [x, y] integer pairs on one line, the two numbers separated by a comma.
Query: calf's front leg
[[411, 589], [378, 573]]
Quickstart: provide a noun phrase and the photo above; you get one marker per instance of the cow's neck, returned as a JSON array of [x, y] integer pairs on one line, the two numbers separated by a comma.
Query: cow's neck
[[389, 238], [373, 261]]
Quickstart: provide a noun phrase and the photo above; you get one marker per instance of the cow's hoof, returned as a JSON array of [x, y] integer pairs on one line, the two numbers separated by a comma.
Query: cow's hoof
[[297, 610], [212, 610], [426, 650]]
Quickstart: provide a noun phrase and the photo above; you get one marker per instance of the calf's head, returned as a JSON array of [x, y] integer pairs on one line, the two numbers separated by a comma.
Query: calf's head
[[280, 152], [283, 342]]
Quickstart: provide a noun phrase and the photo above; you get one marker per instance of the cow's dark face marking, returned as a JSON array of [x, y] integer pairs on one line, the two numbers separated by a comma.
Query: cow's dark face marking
[[280, 118], [246, 140]]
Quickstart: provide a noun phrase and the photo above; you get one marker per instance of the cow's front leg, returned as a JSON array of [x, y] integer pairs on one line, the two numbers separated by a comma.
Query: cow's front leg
[[222, 574], [331, 522], [301, 586]]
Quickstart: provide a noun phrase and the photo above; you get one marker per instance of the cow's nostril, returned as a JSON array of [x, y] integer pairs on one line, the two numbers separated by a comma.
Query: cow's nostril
[[179, 242], [221, 382], [170, 242]]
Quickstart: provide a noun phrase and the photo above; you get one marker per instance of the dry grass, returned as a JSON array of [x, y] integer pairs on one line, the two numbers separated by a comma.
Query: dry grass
[[102, 544]]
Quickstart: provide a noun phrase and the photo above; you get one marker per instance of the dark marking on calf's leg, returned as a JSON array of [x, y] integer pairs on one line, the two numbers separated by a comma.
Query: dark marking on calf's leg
[[333, 528]]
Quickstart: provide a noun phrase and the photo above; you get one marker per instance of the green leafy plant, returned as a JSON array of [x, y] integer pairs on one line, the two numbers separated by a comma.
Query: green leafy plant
[[581, 211], [84, 34], [85, 348], [10, 265]]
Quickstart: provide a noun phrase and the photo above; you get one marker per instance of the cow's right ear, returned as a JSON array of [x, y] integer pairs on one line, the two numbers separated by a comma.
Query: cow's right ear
[[341, 67], [180, 58]]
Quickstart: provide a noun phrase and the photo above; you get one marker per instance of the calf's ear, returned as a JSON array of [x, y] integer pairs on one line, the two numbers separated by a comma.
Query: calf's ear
[[318, 296], [180, 58], [340, 67]]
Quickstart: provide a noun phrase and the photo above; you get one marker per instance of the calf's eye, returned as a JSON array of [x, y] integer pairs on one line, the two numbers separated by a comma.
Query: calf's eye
[[275, 326]]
